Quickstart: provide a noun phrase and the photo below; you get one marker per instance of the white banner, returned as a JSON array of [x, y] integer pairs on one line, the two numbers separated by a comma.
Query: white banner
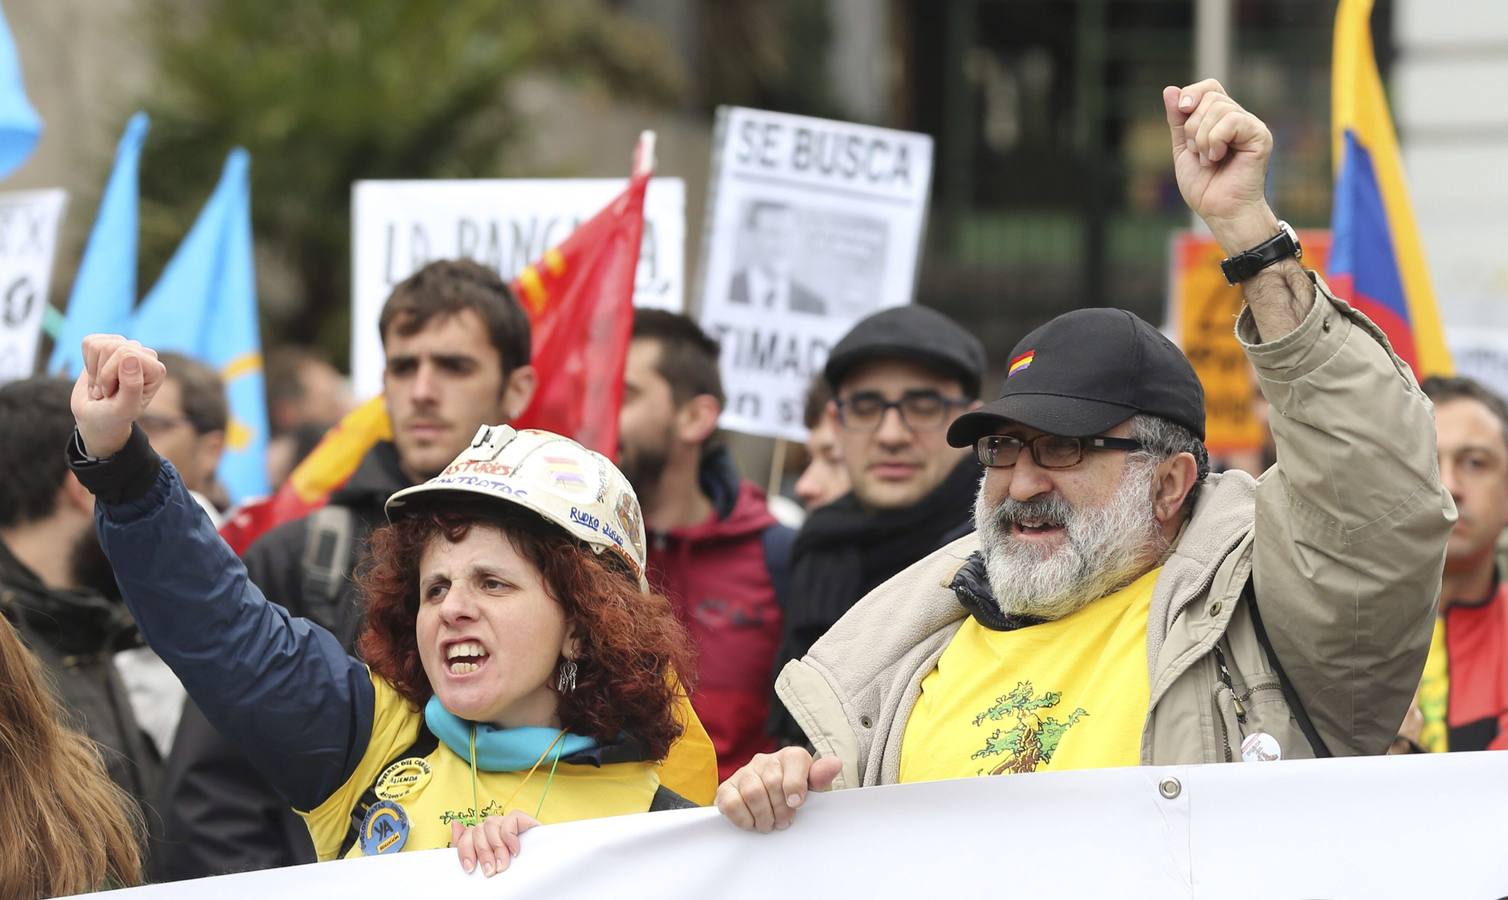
[[811, 225], [1378, 827], [399, 226], [28, 238]]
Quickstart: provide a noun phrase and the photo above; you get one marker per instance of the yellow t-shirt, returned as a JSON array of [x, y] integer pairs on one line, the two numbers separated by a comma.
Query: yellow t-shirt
[[1434, 694], [418, 797], [1069, 694]]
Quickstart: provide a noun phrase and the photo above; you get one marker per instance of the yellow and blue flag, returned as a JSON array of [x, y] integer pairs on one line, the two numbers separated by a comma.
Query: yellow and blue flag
[[1376, 260], [104, 289], [20, 126], [205, 306]]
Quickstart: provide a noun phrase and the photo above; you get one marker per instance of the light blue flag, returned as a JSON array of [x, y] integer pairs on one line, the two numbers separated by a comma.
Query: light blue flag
[[104, 290], [20, 126], [205, 306]]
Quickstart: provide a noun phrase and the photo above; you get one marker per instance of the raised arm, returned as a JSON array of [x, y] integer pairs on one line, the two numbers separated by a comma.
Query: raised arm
[[1352, 523], [281, 688]]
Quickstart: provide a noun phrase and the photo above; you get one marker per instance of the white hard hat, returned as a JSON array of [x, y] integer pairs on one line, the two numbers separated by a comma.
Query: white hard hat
[[563, 482]]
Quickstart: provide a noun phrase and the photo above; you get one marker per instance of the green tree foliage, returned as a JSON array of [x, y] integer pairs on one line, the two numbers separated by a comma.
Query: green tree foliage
[[1033, 740], [326, 92]]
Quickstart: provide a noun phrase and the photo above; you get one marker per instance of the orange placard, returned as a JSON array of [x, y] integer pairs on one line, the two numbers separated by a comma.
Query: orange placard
[[1202, 309]]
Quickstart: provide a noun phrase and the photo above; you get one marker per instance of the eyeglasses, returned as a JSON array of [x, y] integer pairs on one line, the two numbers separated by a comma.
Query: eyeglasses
[[1050, 451], [919, 410]]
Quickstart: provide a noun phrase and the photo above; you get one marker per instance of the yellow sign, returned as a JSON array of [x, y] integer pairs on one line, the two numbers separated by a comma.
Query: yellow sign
[[1203, 308]]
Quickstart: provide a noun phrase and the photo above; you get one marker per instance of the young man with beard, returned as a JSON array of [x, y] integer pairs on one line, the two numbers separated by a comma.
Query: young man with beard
[[1463, 697], [56, 586], [898, 378], [1118, 604], [457, 347], [714, 548]]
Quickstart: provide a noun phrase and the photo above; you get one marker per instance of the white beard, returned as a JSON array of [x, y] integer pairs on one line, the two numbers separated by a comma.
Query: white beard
[[1107, 547]]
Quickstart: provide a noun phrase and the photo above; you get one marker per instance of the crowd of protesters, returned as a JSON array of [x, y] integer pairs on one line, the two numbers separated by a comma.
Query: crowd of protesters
[[487, 629]]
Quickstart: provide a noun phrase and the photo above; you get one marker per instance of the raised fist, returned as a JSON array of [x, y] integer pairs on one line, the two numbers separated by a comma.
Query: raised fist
[[120, 378], [1220, 156]]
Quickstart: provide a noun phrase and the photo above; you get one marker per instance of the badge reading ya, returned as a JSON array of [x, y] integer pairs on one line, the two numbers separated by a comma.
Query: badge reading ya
[[403, 778], [385, 829]]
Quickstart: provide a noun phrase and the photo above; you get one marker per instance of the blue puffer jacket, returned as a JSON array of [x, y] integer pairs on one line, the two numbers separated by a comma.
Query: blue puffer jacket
[[280, 687]]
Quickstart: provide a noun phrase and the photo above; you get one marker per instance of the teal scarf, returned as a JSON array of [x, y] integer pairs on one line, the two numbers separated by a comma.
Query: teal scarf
[[500, 749]]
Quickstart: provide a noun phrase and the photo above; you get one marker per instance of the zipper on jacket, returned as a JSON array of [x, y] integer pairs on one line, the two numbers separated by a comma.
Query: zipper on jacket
[[1224, 733], [1226, 680]]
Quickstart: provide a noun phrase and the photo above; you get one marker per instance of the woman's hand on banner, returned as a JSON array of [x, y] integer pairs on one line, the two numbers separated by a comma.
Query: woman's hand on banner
[[493, 843]]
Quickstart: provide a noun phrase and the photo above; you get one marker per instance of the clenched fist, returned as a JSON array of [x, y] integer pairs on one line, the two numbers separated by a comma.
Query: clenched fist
[[1220, 156], [120, 378]]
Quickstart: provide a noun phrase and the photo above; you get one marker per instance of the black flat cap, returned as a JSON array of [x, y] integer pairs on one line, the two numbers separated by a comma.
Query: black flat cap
[[914, 333]]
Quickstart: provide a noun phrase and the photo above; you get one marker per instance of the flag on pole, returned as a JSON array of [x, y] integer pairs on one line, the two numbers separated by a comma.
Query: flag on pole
[[1376, 260], [104, 290], [20, 126], [579, 297], [205, 306]]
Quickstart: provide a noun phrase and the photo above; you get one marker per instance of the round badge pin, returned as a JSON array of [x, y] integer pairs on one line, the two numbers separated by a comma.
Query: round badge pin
[[402, 778], [385, 829], [1260, 746]]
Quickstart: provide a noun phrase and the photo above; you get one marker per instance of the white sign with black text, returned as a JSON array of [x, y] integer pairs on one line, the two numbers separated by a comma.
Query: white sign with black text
[[811, 225], [29, 223], [399, 226]]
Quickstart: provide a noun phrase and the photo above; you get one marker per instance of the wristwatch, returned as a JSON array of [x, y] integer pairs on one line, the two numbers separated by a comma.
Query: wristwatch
[[1243, 265]]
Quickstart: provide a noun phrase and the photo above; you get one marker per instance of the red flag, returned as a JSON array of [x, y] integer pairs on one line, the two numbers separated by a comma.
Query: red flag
[[579, 297]]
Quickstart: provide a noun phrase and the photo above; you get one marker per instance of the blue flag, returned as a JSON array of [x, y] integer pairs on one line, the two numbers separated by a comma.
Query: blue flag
[[20, 126], [104, 290], [205, 306]]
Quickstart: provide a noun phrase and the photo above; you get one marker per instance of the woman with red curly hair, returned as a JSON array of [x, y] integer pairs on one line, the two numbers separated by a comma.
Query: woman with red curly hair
[[517, 668]]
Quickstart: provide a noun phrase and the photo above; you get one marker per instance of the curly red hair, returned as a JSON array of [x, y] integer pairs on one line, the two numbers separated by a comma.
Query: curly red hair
[[635, 657]]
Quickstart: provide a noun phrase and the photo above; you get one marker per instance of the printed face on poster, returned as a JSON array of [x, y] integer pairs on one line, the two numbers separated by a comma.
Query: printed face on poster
[[28, 239], [811, 226], [399, 226]]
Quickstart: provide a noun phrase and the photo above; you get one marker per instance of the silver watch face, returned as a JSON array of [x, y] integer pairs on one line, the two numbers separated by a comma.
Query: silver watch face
[[1298, 248]]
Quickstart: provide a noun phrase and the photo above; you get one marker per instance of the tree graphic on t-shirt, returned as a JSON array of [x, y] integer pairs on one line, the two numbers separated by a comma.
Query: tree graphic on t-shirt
[[1034, 739]]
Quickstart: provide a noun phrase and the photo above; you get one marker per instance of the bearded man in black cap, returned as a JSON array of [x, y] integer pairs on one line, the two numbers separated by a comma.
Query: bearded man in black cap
[[1119, 605], [898, 378]]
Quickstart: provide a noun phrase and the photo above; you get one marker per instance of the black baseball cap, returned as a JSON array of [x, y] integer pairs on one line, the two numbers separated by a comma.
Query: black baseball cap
[[1087, 371], [916, 333]]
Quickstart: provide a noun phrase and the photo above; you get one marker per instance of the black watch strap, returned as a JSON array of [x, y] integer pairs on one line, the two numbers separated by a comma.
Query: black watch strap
[[1244, 265]]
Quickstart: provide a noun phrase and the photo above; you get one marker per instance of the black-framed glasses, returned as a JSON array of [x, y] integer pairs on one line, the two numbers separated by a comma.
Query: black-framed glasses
[[919, 410], [1050, 451]]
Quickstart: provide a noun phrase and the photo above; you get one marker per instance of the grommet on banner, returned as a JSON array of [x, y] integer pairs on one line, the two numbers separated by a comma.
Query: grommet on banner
[[1170, 788]]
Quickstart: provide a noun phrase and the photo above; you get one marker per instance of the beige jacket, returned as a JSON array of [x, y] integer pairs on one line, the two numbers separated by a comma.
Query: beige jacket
[[1344, 538]]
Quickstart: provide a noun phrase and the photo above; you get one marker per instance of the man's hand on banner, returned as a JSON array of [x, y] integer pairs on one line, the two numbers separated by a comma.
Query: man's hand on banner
[[493, 843], [119, 380], [765, 794]]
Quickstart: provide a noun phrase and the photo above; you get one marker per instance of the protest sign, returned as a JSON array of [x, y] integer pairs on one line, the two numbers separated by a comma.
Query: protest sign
[[811, 225], [1306, 828], [1202, 310], [1480, 352], [28, 238], [506, 224]]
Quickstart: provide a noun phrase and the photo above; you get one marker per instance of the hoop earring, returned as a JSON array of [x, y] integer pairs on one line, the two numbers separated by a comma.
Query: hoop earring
[[565, 682]]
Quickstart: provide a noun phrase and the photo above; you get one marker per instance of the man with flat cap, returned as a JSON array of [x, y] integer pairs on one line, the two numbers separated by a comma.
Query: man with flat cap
[[897, 378], [1118, 604]]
